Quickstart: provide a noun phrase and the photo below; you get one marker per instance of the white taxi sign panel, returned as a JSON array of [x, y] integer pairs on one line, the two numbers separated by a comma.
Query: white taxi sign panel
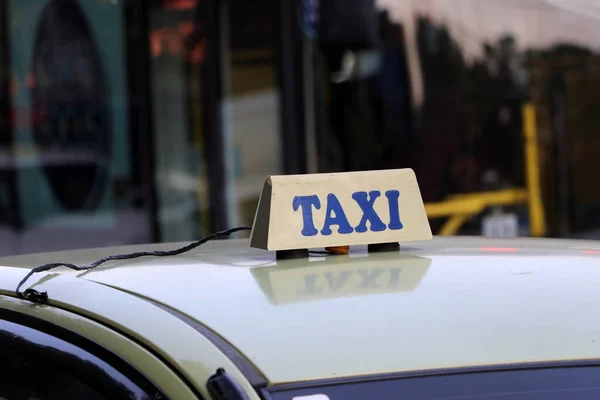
[[339, 209]]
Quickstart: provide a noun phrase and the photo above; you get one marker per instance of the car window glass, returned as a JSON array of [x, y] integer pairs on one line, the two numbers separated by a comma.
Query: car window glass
[[37, 366], [573, 383]]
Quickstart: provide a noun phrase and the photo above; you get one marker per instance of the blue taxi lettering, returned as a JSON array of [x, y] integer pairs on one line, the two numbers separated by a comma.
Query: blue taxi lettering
[[369, 214], [306, 203], [335, 214], [393, 196], [334, 206]]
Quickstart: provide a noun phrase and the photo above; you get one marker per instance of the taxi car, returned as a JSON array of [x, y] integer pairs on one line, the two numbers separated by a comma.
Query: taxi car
[[448, 318]]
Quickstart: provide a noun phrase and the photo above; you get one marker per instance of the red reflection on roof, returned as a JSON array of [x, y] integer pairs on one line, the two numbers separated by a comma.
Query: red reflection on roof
[[500, 249], [590, 252]]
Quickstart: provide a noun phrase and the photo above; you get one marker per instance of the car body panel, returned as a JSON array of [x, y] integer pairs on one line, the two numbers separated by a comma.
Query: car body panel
[[175, 341], [446, 303]]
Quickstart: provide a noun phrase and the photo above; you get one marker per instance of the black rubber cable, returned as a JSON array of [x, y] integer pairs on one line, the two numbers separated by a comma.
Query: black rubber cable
[[42, 297]]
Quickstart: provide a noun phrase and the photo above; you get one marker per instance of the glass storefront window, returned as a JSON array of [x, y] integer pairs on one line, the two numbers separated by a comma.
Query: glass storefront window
[[247, 109], [125, 121], [177, 60], [443, 90], [112, 112], [251, 103], [71, 180]]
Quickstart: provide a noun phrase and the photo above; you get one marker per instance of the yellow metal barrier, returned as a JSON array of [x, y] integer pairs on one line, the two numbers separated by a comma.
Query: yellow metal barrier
[[475, 203], [453, 225], [537, 217], [461, 207]]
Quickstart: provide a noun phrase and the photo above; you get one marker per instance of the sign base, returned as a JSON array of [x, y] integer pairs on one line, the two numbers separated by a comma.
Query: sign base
[[291, 254], [383, 247]]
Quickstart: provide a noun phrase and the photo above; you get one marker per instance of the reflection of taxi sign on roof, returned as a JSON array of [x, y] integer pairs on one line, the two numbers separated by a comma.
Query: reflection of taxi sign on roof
[[322, 210], [302, 280]]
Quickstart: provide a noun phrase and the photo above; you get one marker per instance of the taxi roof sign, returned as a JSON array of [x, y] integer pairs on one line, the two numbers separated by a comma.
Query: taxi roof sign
[[339, 209]]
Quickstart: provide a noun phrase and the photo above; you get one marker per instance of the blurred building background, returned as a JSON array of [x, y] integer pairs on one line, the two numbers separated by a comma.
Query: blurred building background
[[125, 121]]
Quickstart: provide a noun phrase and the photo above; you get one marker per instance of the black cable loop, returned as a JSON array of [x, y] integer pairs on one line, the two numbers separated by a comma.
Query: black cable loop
[[42, 297]]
